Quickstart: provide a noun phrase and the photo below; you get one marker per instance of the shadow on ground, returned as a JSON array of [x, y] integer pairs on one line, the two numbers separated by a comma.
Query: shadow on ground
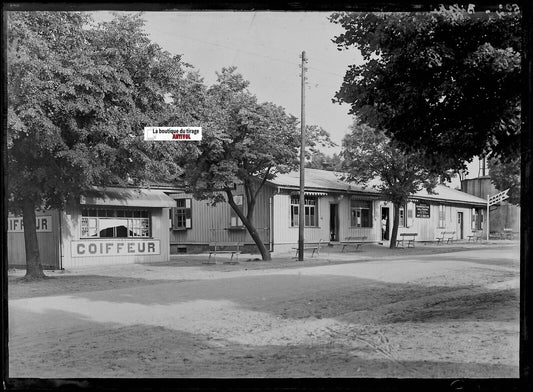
[[55, 285], [108, 351], [301, 297]]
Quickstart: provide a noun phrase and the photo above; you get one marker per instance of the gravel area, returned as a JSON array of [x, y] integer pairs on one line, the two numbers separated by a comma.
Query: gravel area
[[439, 314]]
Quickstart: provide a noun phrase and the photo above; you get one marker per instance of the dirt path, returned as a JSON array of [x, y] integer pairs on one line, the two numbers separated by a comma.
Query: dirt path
[[448, 316]]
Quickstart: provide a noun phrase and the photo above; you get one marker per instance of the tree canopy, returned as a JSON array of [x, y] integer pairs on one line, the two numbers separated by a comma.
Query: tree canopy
[[506, 175], [319, 160], [243, 142], [79, 96], [372, 159], [444, 83]]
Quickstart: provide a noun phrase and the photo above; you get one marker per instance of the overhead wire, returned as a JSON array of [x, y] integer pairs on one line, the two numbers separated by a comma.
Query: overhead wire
[[257, 54]]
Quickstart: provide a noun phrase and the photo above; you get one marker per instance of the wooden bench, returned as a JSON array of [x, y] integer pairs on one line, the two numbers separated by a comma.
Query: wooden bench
[[509, 234], [475, 236], [358, 242], [496, 235], [233, 248], [314, 248], [446, 235], [409, 237]]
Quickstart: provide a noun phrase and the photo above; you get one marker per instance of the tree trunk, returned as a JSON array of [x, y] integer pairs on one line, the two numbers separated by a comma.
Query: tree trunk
[[34, 269], [395, 224], [265, 253]]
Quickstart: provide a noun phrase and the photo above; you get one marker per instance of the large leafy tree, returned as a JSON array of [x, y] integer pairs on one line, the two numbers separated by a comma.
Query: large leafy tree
[[244, 142], [506, 175], [372, 159], [444, 83], [79, 96], [319, 160]]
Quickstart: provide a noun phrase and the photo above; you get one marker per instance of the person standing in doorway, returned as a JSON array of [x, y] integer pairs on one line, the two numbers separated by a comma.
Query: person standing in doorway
[[384, 227]]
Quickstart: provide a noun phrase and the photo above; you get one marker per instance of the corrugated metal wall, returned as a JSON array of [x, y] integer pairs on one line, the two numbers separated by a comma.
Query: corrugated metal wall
[[48, 243], [479, 187], [503, 216], [373, 233], [285, 234], [286, 237], [210, 224], [428, 228]]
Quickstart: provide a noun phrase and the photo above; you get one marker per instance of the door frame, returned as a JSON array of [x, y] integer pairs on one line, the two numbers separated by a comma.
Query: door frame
[[385, 237], [334, 222]]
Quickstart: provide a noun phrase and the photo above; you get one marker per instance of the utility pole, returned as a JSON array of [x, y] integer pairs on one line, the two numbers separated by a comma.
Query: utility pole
[[488, 216], [301, 208]]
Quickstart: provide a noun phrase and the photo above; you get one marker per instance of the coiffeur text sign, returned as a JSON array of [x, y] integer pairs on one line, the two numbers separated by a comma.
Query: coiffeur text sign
[[43, 224], [115, 247]]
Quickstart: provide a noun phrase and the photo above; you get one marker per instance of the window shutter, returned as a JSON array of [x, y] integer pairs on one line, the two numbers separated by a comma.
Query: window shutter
[[188, 213], [235, 221], [173, 217], [410, 214]]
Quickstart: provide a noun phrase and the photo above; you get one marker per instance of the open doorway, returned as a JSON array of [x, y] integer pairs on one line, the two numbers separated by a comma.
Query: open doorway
[[333, 222], [385, 219]]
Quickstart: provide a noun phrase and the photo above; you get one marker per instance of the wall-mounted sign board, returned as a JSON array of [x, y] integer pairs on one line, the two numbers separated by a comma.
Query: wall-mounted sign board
[[422, 210], [115, 247]]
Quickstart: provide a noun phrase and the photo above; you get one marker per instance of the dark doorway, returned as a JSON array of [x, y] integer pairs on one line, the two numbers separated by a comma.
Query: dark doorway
[[333, 222], [460, 224], [385, 223]]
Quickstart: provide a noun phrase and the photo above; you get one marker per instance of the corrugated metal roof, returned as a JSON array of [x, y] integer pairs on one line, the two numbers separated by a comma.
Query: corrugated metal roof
[[127, 197], [316, 179], [448, 194]]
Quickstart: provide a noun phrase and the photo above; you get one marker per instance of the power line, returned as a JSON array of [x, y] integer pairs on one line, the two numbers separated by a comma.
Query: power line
[[257, 54]]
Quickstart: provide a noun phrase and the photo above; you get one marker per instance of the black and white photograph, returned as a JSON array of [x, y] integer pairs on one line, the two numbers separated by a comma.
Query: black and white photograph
[[263, 193]]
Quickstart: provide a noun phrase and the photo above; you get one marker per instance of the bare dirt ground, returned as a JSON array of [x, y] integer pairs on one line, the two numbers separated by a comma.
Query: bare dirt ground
[[427, 312]]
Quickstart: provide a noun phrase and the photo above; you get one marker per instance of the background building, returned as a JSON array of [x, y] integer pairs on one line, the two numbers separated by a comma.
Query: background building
[[333, 211], [107, 226], [135, 225], [503, 215]]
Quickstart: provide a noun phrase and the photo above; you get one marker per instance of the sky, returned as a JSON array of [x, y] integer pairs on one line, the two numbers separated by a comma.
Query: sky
[[266, 48]]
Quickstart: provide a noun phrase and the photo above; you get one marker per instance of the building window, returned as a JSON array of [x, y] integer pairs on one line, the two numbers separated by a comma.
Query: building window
[[477, 219], [402, 216], [361, 213], [410, 215], [181, 215], [442, 216], [310, 211], [112, 223], [234, 220]]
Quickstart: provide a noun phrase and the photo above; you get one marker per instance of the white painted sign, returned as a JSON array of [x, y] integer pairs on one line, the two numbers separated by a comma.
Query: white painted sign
[[498, 198], [114, 247], [43, 224]]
